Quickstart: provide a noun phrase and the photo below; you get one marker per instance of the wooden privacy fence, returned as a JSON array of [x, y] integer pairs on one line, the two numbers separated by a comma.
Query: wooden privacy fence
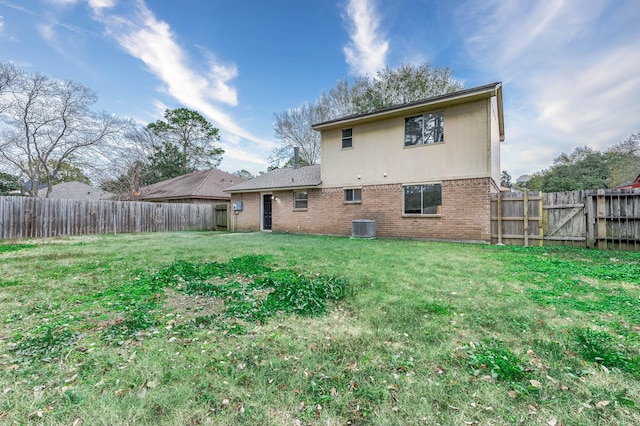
[[26, 217], [603, 218]]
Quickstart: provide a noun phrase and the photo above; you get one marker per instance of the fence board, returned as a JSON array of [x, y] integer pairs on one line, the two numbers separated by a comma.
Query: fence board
[[516, 218], [22, 217], [597, 218]]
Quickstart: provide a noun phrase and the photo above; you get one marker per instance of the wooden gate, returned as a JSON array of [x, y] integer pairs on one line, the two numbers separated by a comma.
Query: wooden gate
[[603, 218], [564, 218], [613, 219], [516, 218], [222, 216]]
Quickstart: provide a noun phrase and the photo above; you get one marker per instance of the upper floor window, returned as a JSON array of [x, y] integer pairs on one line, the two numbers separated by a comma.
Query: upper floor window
[[300, 200], [353, 195], [422, 199], [424, 129], [347, 138]]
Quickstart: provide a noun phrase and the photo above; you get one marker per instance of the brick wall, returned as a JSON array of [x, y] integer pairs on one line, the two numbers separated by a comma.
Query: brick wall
[[249, 218], [465, 215]]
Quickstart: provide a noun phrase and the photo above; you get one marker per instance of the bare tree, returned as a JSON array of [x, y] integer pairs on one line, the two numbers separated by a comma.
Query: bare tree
[[49, 123], [8, 75], [293, 128], [128, 162]]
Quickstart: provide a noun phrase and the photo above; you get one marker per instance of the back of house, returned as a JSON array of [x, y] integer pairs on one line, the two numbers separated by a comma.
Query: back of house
[[420, 170]]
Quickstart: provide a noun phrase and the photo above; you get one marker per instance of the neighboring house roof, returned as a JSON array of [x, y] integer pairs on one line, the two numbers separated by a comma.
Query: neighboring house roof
[[205, 184], [75, 190], [461, 96], [287, 178], [634, 184]]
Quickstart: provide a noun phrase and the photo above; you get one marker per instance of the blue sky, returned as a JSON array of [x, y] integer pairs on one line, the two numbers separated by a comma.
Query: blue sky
[[571, 69]]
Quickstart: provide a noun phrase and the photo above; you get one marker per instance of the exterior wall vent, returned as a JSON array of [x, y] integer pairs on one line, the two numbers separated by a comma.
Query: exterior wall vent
[[363, 228]]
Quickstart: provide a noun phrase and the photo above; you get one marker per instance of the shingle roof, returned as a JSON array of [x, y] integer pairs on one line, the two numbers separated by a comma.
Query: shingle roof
[[492, 89], [634, 184], [75, 191], [303, 177], [205, 184]]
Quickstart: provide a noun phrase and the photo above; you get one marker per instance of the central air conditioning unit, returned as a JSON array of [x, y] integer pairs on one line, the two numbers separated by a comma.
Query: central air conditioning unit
[[363, 228]]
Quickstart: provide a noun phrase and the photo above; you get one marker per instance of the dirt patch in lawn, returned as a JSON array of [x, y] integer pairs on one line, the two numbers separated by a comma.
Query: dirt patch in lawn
[[189, 306]]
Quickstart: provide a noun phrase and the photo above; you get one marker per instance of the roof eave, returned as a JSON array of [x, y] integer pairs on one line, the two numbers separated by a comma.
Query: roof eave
[[500, 111], [273, 188], [482, 92]]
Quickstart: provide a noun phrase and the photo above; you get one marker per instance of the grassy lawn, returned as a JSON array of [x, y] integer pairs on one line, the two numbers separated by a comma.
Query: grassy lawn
[[196, 328]]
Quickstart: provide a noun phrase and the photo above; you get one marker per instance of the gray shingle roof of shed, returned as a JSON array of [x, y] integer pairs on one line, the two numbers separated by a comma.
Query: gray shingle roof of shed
[[205, 184], [303, 177], [75, 190]]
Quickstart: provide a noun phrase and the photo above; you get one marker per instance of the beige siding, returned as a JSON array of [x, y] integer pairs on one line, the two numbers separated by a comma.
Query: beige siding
[[379, 157]]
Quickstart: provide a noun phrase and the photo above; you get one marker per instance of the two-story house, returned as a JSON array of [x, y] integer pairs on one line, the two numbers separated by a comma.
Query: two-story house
[[420, 170]]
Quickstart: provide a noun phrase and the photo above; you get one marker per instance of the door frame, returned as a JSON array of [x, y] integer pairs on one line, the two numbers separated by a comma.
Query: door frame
[[262, 199]]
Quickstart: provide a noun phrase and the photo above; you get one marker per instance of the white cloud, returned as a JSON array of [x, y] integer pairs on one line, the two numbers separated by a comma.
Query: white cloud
[[599, 99], [152, 41], [63, 2], [63, 42], [571, 73], [507, 35], [219, 75], [47, 32], [159, 108], [16, 7], [97, 5], [240, 157], [366, 53]]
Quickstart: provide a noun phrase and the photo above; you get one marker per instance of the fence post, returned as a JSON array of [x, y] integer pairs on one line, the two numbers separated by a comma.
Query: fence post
[[525, 206], [543, 222], [602, 220], [591, 220], [499, 217]]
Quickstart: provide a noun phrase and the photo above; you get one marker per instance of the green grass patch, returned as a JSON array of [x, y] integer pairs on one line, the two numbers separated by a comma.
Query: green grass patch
[[607, 350], [47, 343], [576, 280], [5, 248], [253, 291], [264, 329], [494, 358]]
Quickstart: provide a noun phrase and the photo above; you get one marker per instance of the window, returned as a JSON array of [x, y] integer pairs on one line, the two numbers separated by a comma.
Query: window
[[422, 199], [353, 195], [424, 129], [347, 138], [300, 200]]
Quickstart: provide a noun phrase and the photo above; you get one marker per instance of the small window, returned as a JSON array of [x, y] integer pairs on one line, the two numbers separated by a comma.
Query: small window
[[347, 138], [300, 200], [422, 199], [424, 129], [353, 195]]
